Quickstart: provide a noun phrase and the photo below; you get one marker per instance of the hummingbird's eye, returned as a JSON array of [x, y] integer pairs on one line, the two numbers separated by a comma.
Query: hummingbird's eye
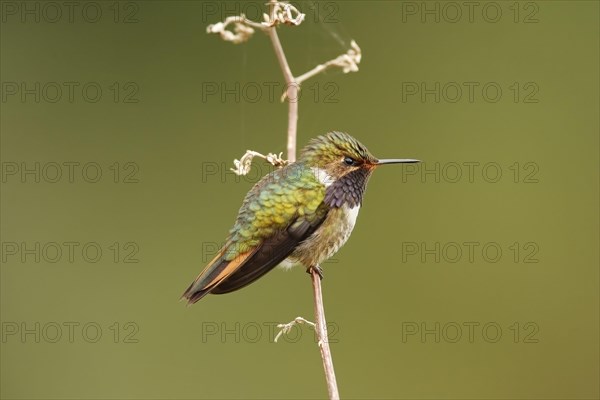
[[349, 161]]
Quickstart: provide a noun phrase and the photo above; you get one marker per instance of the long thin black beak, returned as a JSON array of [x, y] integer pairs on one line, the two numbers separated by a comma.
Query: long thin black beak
[[397, 161]]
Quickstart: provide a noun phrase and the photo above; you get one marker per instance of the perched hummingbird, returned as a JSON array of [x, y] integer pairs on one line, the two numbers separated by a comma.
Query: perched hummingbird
[[299, 214]]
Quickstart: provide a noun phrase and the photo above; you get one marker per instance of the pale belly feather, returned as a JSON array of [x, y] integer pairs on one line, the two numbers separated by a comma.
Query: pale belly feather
[[326, 240]]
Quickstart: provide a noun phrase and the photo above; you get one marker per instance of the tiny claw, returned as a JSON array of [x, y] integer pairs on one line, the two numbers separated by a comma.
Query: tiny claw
[[317, 269]]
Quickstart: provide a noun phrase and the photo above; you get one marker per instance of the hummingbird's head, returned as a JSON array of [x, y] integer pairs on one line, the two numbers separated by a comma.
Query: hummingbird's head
[[344, 166], [339, 154]]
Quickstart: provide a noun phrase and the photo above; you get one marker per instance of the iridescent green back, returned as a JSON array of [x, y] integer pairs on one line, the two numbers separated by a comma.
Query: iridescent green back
[[287, 194]]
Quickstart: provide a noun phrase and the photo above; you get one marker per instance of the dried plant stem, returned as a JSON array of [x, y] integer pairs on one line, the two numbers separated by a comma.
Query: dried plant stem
[[292, 99], [347, 62], [283, 13], [291, 94], [243, 29], [321, 329]]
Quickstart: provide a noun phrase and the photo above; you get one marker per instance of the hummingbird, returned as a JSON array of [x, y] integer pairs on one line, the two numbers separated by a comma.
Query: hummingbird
[[300, 214]]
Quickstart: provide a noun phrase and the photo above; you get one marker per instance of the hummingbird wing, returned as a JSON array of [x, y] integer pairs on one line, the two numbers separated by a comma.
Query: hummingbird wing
[[278, 213], [272, 252]]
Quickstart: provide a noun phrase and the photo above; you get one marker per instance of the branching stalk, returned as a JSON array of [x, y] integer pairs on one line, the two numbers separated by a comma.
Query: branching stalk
[[292, 97], [285, 13]]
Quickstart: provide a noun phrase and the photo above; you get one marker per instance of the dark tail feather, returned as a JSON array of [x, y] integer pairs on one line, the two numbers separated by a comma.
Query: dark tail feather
[[216, 271], [204, 282], [192, 294]]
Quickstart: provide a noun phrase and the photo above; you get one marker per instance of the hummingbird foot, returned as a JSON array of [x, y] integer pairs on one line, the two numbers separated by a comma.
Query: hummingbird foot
[[317, 268]]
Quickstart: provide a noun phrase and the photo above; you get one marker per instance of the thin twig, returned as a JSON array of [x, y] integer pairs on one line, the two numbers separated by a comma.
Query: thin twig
[[321, 330], [286, 328], [292, 88], [347, 62], [242, 166]]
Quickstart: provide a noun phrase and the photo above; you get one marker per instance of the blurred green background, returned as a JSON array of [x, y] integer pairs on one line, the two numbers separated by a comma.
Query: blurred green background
[[410, 316]]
